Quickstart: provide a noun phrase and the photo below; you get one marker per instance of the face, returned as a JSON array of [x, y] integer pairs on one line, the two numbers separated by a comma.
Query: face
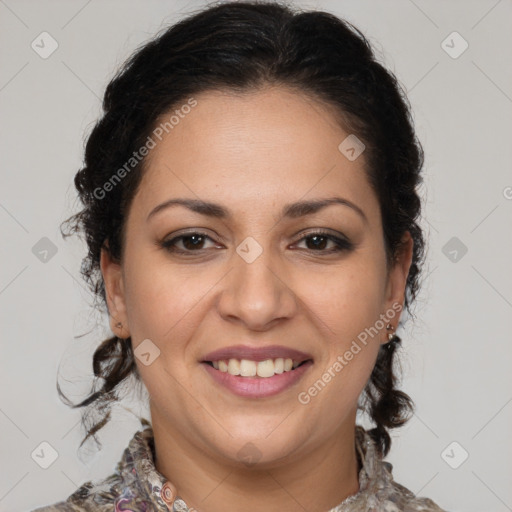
[[253, 272]]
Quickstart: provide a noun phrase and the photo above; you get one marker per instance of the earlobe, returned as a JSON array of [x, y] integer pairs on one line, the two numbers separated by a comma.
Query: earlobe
[[114, 291]]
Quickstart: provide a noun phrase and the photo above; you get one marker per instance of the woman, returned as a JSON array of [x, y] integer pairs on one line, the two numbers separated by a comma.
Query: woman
[[250, 206]]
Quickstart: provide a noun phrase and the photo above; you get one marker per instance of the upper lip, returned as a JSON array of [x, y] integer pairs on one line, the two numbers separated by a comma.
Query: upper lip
[[256, 353]]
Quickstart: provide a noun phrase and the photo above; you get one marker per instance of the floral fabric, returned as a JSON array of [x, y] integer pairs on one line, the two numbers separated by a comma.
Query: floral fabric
[[135, 486]]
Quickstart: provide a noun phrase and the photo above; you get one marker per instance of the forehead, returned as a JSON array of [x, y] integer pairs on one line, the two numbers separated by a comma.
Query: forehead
[[271, 146]]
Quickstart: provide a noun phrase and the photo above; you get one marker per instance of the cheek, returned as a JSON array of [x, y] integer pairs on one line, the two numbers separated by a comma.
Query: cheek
[[346, 306], [163, 306], [159, 299], [345, 301]]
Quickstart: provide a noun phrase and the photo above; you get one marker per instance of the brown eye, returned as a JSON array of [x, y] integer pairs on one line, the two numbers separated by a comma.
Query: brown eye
[[190, 242], [319, 241]]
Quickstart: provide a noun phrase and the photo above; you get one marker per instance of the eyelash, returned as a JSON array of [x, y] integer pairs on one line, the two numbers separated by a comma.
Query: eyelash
[[341, 244]]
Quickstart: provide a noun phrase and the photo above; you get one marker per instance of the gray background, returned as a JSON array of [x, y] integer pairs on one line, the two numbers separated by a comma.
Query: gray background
[[457, 355]]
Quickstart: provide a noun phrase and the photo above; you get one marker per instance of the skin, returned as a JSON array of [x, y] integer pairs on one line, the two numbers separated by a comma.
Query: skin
[[253, 153]]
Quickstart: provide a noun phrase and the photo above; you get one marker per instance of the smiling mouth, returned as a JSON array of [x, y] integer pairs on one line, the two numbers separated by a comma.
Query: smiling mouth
[[262, 369]]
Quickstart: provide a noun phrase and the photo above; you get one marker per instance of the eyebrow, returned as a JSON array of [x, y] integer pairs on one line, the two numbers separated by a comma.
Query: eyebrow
[[291, 210]]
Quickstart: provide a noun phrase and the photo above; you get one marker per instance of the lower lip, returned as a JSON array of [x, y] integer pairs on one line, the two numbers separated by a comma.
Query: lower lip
[[258, 387]]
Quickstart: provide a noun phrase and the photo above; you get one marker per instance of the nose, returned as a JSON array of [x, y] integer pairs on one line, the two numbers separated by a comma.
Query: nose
[[257, 294]]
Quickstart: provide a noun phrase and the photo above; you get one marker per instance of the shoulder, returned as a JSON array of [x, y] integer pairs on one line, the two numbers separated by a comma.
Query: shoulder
[[135, 485], [402, 499], [379, 491], [98, 497]]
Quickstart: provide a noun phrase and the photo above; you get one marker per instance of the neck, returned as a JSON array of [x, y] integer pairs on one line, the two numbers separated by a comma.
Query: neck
[[316, 482]]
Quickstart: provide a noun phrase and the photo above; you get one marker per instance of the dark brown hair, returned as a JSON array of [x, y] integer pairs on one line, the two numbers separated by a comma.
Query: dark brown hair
[[243, 46]]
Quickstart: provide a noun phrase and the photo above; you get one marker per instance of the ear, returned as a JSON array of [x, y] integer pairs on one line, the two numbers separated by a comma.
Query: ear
[[114, 290], [397, 280]]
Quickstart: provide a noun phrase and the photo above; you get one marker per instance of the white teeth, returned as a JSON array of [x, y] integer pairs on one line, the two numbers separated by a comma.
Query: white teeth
[[234, 367], [279, 365], [265, 368], [248, 368]]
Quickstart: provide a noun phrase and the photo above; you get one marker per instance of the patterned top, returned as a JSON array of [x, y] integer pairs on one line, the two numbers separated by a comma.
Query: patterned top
[[136, 485]]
